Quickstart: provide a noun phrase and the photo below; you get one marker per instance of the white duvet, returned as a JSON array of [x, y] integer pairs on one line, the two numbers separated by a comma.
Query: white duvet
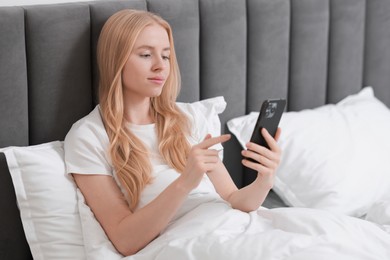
[[206, 227], [215, 231]]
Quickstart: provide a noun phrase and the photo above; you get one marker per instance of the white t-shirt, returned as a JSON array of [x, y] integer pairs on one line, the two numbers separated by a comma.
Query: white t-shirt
[[86, 150]]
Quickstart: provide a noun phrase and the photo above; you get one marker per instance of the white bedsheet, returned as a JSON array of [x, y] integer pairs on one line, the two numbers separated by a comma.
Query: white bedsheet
[[380, 213], [215, 231]]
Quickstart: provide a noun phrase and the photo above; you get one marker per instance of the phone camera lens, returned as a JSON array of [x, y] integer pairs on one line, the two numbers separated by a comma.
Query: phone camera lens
[[270, 111]]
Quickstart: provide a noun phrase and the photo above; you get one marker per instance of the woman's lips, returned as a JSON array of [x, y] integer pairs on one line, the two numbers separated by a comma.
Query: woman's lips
[[157, 80]]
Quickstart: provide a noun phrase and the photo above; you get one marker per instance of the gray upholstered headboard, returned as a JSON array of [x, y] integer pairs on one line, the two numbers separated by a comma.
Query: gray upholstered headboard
[[311, 52]]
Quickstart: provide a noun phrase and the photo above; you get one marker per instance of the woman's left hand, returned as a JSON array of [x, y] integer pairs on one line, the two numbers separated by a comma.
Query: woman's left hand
[[267, 159]]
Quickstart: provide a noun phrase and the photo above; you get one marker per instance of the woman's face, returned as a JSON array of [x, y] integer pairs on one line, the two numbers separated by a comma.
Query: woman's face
[[148, 66]]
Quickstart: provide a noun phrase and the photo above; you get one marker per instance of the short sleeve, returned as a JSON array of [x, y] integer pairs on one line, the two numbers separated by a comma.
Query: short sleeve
[[86, 146], [204, 116]]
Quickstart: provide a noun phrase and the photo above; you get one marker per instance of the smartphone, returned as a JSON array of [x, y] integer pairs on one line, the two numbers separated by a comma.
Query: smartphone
[[270, 113]]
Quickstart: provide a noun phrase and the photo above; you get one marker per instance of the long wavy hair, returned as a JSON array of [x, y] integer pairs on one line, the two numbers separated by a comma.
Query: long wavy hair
[[128, 154]]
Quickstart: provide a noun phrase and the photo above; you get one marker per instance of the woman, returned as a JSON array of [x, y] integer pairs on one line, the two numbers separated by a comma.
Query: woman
[[118, 150]]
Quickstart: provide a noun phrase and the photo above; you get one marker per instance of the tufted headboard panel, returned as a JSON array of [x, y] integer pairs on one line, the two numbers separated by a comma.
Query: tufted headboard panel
[[310, 51]]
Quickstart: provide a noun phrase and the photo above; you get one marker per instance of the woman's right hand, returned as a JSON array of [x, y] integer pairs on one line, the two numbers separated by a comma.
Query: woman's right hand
[[201, 160]]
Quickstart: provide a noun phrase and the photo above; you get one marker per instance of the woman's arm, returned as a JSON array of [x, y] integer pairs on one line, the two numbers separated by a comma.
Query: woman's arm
[[252, 196], [131, 231]]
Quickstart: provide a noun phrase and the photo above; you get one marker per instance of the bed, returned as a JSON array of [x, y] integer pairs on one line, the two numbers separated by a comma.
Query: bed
[[330, 59]]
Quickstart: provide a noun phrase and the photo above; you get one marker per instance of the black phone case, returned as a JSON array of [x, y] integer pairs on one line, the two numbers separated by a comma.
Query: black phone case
[[270, 113]]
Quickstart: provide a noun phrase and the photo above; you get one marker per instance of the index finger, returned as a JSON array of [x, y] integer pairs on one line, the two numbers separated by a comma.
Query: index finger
[[207, 143], [278, 133], [270, 140]]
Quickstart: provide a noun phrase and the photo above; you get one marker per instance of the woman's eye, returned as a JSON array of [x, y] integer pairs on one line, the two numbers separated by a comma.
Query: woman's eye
[[165, 57], [146, 55]]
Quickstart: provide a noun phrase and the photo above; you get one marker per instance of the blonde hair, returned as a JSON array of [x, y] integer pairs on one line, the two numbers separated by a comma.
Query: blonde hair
[[128, 154]]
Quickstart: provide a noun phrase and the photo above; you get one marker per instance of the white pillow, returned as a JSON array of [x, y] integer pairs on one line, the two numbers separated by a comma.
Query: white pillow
[[334, 157], [47, 201], [205, 116]]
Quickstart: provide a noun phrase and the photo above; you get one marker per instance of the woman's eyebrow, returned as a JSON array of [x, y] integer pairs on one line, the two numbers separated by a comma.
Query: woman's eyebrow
[[152, 47]]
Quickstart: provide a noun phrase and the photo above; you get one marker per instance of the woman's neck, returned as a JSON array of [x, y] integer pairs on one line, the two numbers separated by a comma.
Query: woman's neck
[[139, 113]]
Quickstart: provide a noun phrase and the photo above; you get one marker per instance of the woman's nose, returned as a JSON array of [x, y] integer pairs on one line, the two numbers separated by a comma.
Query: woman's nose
[[159, 63]]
